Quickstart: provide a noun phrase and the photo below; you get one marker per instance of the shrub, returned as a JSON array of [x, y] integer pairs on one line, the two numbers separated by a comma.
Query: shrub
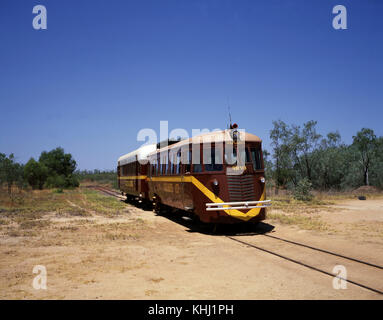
[[303, 189]]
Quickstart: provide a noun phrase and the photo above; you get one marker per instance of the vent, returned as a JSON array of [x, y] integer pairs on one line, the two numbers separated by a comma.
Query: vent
[[241, 188]]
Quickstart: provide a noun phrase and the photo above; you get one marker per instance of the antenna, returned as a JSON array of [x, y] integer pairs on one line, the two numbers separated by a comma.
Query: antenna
[[228, 107]]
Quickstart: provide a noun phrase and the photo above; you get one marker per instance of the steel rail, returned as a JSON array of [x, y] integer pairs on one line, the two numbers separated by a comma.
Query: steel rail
[[306, 265]]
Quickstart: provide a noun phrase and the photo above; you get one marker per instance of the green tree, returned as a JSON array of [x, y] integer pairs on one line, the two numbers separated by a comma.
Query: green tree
[[365, 141], [331, 163], [35, 173], [10, 171], [302, 144], [61, 167], [268, 164], [280, 140], [58, 162]]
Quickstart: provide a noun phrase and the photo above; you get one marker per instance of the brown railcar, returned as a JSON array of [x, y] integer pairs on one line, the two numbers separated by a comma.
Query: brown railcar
[[132, 173], [195, 175]]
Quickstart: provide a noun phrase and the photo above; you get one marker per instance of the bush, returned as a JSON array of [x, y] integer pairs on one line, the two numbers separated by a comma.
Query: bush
[[55, 181], [61, 181], [303, 190]]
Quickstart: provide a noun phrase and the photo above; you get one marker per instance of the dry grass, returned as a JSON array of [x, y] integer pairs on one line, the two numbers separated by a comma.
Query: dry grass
[[303, 214], [303, 222], [74, 212], [68, 232]]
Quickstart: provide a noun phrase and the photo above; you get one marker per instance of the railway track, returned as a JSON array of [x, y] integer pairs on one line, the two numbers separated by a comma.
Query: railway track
[[107, 191], [310, 266], [313, 267]]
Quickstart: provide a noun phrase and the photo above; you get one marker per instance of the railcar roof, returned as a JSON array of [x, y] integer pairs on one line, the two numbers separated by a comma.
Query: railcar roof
[[215, 136], [140, 153]]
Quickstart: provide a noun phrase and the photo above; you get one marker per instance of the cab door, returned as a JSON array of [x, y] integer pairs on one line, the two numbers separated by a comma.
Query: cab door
[[186, 185]]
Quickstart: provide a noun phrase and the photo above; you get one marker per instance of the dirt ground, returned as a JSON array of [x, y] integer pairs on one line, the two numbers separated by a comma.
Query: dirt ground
[[140, 255]]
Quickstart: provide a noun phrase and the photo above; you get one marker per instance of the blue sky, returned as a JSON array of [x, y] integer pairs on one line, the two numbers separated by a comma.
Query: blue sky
[[103, 70]]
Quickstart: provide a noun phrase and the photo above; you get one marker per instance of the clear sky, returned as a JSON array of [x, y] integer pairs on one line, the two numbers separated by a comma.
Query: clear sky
[[103, 70]]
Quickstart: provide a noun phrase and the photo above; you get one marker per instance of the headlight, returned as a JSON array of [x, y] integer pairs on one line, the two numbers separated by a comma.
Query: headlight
[[215, 182], [263, 180]]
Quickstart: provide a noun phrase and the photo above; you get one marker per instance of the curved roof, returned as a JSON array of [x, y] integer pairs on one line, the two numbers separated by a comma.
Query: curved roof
[[138, 154], [214, 136]]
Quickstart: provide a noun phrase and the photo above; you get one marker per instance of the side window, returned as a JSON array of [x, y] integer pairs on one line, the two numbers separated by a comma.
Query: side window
[[164, 164], [197, 165], [167, 163], [216, 160], [256, 157], [231, 156], [178, 162], [188, 164], [158, 166], [173, 163]]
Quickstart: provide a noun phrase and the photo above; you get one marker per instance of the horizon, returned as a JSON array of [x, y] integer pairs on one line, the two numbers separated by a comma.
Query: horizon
[[103, 71]]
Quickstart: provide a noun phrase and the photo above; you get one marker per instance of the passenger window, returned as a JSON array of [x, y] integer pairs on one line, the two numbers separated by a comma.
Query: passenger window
[[186, 159], [178, 162], [174, 163], [216, 160], [196, 159]]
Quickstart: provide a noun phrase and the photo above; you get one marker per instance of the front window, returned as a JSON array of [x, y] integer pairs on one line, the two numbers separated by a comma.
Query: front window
[[256, 157]]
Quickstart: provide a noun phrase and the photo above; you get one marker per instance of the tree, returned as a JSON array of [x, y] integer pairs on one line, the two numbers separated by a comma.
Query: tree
[[35, 173], [10, 171], [365, 141], [280, 136], [331, 163], [376, 170], [58, 162], [61, 167], [303, 143], [268, 164]]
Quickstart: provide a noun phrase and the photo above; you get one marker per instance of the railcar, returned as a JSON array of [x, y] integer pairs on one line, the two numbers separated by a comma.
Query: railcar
[[217, 177], [132, 173]]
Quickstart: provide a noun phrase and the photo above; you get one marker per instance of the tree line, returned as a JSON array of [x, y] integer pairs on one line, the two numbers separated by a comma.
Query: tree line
[[301, 159], [53, 169], [301, 156]]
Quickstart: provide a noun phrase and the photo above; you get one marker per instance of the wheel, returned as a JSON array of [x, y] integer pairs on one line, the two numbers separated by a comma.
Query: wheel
[[156, 205]]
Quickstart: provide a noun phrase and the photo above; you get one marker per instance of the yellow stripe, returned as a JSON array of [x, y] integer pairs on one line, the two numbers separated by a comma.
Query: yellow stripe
[[132, 177], [234, 213], [172, 179]]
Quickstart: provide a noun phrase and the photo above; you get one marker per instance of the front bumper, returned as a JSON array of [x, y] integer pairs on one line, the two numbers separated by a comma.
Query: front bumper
[[239, 205]]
